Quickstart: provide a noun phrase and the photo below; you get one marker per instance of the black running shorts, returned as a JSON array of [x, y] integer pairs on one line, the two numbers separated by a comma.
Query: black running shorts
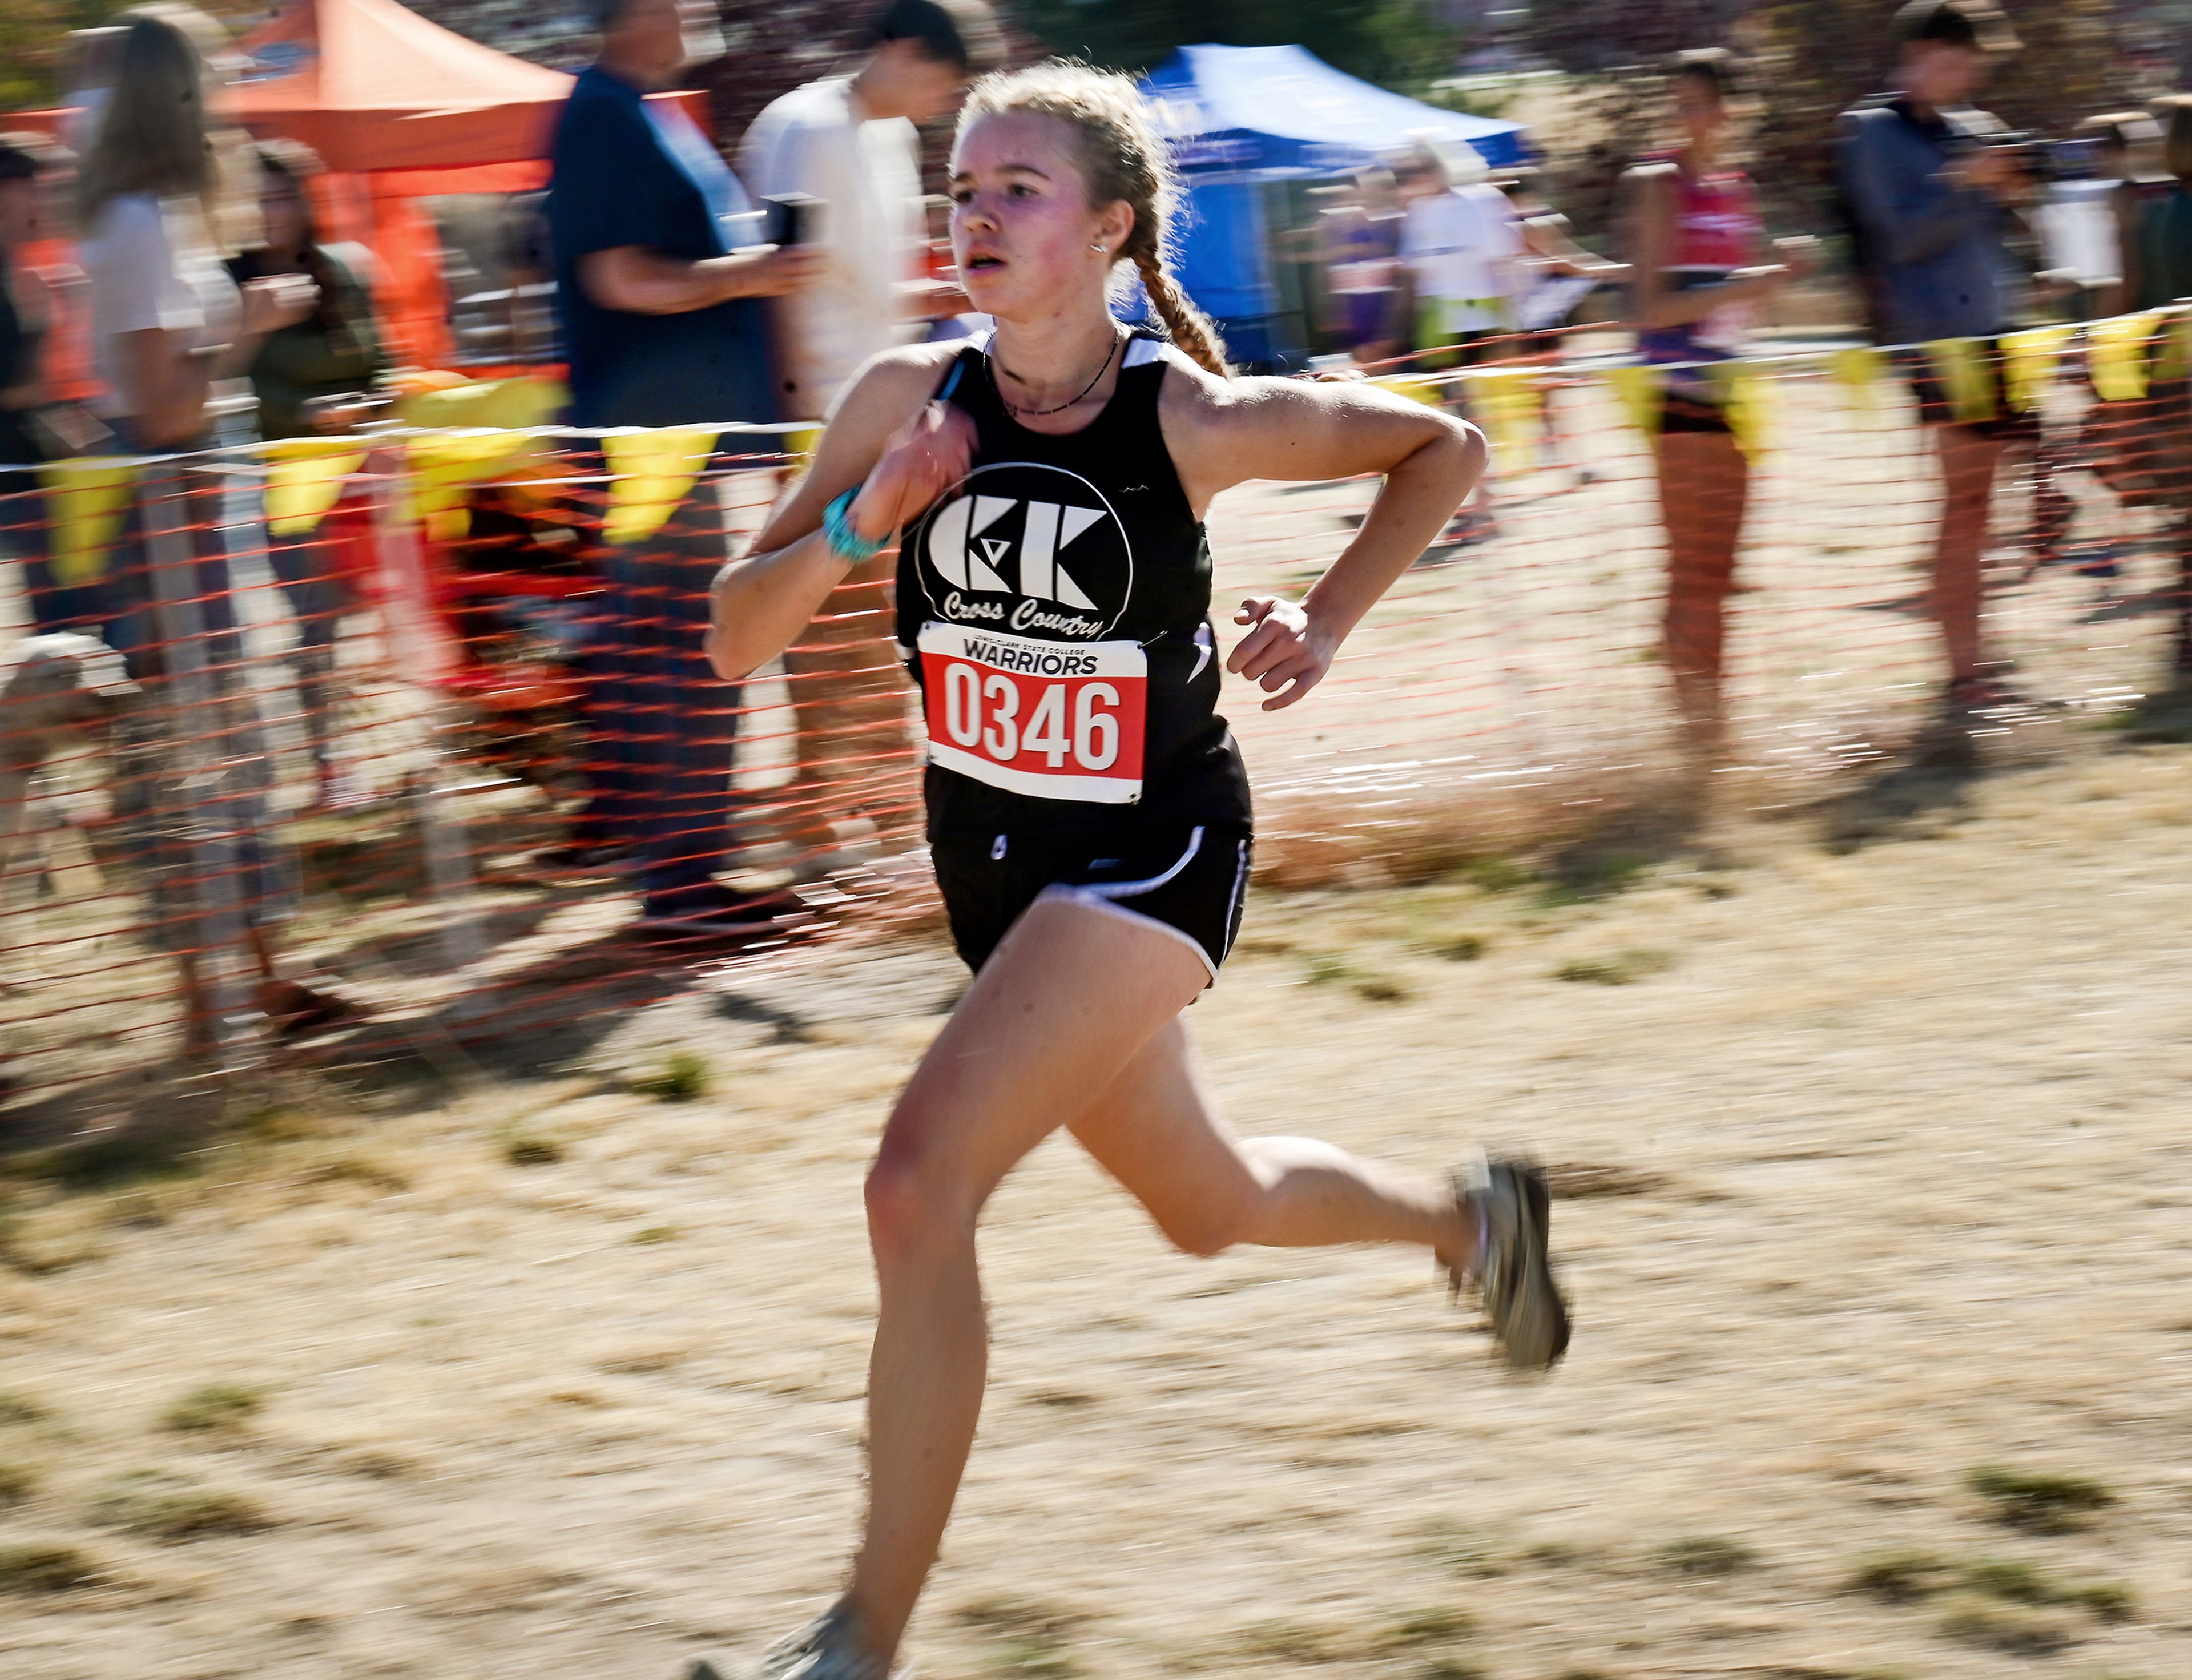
[[1188, 881]]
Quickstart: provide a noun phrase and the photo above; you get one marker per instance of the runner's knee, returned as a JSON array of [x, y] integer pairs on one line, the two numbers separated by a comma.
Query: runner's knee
[[1207, 1228], [1203, 1236], [914, 1200]]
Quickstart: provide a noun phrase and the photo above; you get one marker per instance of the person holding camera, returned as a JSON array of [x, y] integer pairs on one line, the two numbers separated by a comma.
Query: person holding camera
[[844, 152], [1931, 200], [658, 287]]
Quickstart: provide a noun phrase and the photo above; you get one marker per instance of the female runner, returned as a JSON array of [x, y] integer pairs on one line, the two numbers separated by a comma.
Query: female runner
[[1698, 286], [1087, 807]]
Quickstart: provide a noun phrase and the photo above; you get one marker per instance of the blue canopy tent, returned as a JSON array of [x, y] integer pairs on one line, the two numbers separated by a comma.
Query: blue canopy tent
[[1238, 118]]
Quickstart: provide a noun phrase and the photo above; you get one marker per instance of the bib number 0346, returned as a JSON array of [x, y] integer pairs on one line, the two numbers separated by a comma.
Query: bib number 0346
[[1053, 720]]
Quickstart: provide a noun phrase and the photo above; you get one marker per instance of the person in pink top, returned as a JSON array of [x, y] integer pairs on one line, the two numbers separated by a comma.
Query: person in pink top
[[1699, 279]]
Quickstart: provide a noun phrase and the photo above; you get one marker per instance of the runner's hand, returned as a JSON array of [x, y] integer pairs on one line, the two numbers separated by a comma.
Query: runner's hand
[[929, 454], [1285, 653]]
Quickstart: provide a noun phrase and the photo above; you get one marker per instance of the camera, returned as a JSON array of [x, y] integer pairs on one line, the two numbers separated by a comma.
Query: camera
[[788, 217]]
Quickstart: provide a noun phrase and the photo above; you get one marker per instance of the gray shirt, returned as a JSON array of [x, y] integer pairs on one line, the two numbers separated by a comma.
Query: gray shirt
[[1932, 252]]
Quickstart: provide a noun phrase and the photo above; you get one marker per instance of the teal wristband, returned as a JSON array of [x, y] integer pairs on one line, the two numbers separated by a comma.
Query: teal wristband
[[848, 544]]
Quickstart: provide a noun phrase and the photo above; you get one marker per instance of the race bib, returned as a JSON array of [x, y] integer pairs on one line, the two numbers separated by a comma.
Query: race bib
[[1053, 720]]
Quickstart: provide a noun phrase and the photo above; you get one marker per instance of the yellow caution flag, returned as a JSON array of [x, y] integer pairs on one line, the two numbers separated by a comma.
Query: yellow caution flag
[[445, 465], [1640, 390], [305, 478], [85, 501], [2028, 360], [1961, 366], [650, 472], [1858, 368], [1747, 398], [2172, 356], [2115, 354], [1508, 401]]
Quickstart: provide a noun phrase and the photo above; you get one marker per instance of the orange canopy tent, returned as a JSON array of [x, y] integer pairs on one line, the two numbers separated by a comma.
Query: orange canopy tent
[[372, 86], [399, 108]]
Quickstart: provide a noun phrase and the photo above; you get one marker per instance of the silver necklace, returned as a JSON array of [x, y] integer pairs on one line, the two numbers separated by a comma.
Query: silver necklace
[[991, 367]]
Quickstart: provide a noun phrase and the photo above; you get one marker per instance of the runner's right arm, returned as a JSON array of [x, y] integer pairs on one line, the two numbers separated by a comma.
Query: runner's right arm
[[885, 436]]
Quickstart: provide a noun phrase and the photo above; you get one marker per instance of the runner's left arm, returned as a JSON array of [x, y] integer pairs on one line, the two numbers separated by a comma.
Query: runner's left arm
[[1227, 433]]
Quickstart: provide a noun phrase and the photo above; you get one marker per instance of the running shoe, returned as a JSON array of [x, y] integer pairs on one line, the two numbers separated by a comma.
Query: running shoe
[[823, 1649], [1514, 1277], [711, 909]]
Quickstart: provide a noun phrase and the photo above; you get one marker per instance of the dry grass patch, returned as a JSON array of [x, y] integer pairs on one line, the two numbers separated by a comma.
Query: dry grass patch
[[523, 1146], [160, 1504], [681, 1077], [45, 1566], [1024, 1635], [1623, 967], [2039, 1502], [1294, 1641], [1427, 1629], [1903, 1576], [1705, 1555], [2015, 1630], [1446, 1545], [17, 1482], [215, 1406], [18, 1409], [1372, 985]]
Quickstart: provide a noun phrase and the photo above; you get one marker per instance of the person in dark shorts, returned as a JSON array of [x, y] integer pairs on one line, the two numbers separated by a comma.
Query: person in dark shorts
[[1087, 806], [1700, 276], [1929, 201]]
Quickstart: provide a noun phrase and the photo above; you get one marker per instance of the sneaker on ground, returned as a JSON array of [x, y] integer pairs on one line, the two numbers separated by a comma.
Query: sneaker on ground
[[823, 1649], [715, 910], [580, 858], [1514, 1277]]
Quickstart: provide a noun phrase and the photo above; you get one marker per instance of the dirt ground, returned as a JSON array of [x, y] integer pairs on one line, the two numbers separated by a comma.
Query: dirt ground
[[1869, 1121]]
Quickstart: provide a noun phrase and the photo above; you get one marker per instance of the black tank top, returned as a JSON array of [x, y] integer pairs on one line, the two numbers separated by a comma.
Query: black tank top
[[1054, 607]]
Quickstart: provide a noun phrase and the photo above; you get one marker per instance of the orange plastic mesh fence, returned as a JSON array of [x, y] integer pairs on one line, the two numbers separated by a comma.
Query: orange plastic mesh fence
[[444, 743]]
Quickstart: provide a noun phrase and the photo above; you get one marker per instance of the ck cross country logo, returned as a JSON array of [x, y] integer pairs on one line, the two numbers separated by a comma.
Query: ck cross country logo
[[1018, 546]]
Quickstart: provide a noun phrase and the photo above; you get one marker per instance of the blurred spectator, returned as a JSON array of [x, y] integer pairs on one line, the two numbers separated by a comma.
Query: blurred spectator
[[658, 283], [169, 324], [2158, 260], [1461, 250], [310, 376], [1700, 280], [1362, 241], [848, 143], [2126, 152], [1461, 246], [1929, 198], [2157, 219], [24, 319]]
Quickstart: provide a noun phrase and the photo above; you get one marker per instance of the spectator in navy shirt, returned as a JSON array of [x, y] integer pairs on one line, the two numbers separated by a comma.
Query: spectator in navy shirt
[[659, 284], [1929, 202]]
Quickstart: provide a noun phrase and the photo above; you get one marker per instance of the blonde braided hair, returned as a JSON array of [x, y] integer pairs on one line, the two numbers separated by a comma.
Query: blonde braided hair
[[1122, 159]]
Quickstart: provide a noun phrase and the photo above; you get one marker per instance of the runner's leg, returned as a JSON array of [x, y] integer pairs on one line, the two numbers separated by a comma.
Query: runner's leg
[[1158, 1132], [1072, 996]]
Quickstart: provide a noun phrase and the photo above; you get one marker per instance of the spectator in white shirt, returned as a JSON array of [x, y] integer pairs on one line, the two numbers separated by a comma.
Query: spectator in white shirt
[[1461, 245], [849, 143]]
